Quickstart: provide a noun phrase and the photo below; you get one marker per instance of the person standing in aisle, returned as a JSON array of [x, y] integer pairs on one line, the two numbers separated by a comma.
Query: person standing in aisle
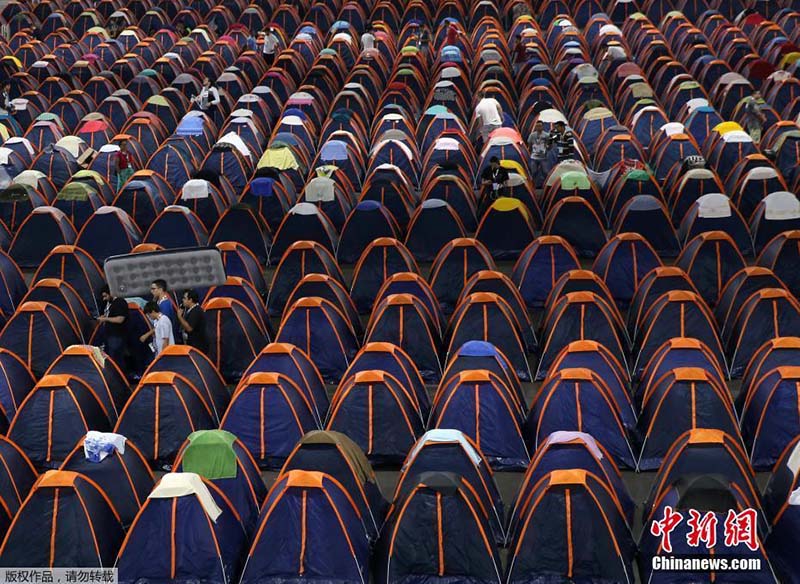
[[537, 143], [123, 164], [208, 99], [115, 320], [270, 46], [754, 118], [192, 319], [563, 140]]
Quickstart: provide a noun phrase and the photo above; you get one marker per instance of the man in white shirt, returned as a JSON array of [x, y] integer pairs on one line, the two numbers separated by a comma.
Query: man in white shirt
[[270, 46], [161, 331], [489, 113]]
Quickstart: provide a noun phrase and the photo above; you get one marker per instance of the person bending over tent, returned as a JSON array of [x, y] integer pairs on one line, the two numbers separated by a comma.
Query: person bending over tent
[[493, 178], [123, 164], [251, 42], [520, 53], [161, 331], [489, 113], [113, 29]]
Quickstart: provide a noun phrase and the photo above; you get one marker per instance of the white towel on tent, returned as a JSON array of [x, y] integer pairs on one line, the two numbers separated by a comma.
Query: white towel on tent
[[563, 437], [182, 484], [195, 189], [781, 205], [320, 190], [98, 445], [445, 435]]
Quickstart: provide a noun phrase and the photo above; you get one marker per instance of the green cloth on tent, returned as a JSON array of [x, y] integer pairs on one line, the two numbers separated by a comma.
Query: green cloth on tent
[[74, 192], [158, 100], [575, 180], [210, 454], [280, 157], [638, 174], [645, 101], [48, 117], [90, 174]]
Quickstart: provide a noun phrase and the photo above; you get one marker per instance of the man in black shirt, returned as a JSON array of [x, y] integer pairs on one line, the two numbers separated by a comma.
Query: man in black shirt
[[494, 177], [193, 321], [115, 319]]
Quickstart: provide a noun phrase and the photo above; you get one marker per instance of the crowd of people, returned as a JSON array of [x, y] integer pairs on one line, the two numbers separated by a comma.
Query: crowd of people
[[169, 321], [546, 148]]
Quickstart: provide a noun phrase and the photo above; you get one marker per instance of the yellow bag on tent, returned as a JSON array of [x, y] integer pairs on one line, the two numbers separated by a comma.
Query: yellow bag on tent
[[725, 127], [17, 63], [789, 59], [508, 204], [513, 166]]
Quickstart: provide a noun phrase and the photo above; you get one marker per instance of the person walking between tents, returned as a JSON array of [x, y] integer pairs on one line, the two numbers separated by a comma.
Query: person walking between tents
[[161, 331], [754, 118], [123, 165], [115, 318]]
